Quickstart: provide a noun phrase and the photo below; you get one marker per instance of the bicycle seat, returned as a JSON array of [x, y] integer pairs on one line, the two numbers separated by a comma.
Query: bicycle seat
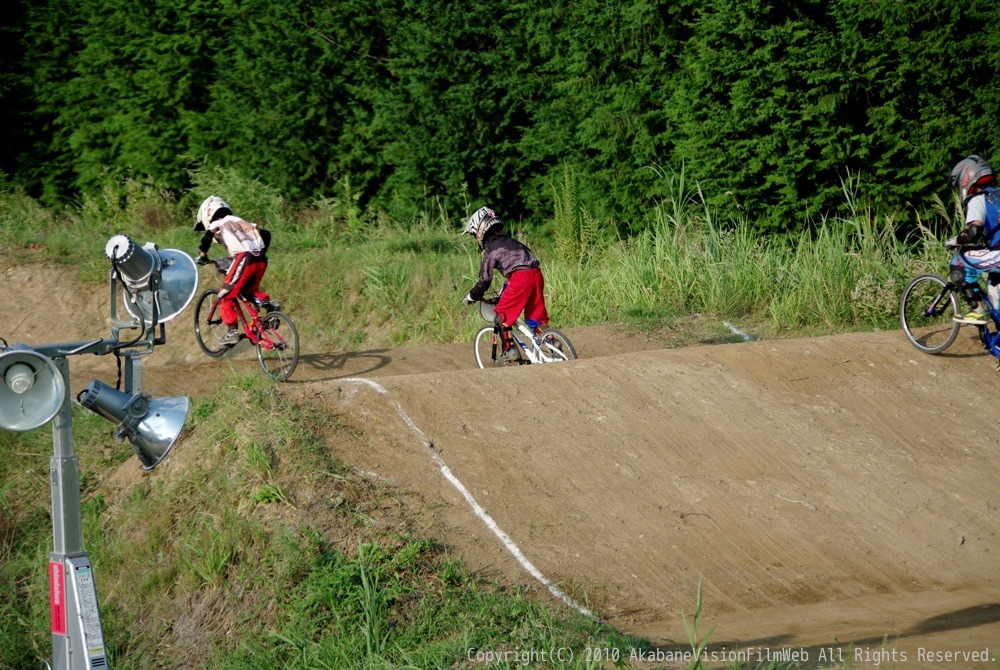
[[222, 264], [266, 306]]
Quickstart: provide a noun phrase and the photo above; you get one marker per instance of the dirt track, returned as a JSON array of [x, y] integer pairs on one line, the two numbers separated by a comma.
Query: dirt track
[[818, 487], [828, 492]]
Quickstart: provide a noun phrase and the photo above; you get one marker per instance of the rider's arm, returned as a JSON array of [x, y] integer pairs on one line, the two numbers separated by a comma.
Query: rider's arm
[[206, 243], [975, 214], [972, 233], [485, 274]]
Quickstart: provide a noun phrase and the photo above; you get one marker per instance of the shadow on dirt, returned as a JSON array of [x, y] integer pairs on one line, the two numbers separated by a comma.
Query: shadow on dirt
[[969, 617], [873, 649], [348, 364]]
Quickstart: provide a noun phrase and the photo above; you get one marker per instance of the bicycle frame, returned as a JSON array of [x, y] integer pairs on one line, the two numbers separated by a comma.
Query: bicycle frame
[[530, 343], [990, 340], [269, 330], [251, 328]]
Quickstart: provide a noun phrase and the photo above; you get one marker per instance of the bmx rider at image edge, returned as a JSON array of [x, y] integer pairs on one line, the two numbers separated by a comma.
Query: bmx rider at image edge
[[975, 183]]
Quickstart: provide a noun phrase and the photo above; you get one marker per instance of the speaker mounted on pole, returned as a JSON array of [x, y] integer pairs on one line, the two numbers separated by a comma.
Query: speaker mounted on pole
[[32, 389]]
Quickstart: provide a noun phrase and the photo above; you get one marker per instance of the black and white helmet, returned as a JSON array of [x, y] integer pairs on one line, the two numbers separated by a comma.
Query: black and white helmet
[[971, 171], [210, 206], [483, 220]]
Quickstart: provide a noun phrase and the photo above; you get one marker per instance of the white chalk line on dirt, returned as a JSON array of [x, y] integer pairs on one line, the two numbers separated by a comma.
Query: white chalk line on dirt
[[736, 331], [484, 516]]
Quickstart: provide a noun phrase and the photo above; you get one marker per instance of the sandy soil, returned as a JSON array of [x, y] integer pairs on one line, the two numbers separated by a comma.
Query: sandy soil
[[834, 496]]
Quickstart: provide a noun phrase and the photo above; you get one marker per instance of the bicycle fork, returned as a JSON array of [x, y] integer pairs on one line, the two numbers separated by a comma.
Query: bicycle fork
[[936, 308], [516, 343]]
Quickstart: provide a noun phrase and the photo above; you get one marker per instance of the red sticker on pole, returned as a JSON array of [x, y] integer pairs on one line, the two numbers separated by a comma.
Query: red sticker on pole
[[57, 597]]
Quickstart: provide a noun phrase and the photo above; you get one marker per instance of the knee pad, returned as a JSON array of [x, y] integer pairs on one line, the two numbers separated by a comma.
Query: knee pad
[[965, 283], [972, 292]]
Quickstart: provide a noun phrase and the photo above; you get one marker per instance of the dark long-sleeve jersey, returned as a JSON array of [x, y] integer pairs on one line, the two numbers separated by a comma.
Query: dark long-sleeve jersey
[[505, 254]]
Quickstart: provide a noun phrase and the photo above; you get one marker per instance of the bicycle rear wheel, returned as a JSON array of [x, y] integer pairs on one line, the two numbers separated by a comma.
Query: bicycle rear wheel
[[207, 332], [927, 313], [556, 345], [278, 346]]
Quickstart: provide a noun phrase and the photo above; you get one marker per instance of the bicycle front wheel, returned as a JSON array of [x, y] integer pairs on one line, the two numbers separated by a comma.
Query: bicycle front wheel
[[207, 331], [486, 347], [278, 346], [556, 346], [927, 313]]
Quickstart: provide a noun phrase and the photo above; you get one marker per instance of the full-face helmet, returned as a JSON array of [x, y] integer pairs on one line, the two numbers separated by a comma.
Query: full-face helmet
[[969, 173], [208, 210], [481, 222]]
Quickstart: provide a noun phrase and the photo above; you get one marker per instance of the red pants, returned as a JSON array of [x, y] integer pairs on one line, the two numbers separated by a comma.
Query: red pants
[[243, 277], [523, 293]]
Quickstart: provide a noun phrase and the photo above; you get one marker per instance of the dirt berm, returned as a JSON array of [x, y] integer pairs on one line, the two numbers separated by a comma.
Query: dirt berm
[[830, 492], [834, 496]]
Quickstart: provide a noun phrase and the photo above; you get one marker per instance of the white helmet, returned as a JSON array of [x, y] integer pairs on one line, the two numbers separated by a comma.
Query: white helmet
[[206, 212], [479, 223]]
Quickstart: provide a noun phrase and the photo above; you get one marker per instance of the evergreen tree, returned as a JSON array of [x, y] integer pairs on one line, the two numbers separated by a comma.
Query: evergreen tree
[[767, 104]]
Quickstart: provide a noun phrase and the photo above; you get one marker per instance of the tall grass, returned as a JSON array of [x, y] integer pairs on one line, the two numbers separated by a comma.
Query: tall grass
[[844, 273], [577, 236], [356, 280]]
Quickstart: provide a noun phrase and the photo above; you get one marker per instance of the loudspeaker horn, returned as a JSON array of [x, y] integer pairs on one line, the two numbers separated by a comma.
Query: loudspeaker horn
[[167, 276], [32, 389], [152, 425]]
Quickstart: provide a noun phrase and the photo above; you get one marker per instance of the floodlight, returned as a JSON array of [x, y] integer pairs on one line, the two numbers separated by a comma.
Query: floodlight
[[32, 391], [152, 425], [34, 382], [163, 281]]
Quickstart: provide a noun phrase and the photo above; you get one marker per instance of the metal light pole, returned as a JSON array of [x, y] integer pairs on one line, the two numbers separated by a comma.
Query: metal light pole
[[77, 637], [34, 385]]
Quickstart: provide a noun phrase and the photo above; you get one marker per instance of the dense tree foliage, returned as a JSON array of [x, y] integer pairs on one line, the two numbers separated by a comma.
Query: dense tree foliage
[[768, 104]]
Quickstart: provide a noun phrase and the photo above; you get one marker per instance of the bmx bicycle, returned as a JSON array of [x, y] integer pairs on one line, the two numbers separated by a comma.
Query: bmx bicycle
[[270, 331], [927, 310], [533, 345]]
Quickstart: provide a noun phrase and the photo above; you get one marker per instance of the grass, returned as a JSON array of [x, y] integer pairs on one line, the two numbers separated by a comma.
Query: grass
[[260, 549], [355, 280], [195, 569]]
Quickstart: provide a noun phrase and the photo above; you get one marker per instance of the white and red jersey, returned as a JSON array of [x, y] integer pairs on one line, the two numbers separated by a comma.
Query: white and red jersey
[[237, 235]]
